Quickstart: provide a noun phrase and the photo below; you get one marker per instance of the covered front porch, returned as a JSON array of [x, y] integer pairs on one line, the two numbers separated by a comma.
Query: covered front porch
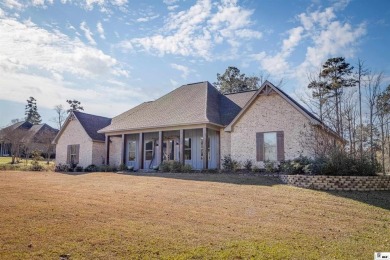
[[147, 149]]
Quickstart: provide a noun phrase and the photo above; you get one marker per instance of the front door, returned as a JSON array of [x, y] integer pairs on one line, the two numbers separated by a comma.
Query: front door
[[132, 154]]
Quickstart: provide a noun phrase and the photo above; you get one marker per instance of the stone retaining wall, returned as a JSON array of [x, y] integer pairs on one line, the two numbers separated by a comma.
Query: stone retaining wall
[[345, 183]]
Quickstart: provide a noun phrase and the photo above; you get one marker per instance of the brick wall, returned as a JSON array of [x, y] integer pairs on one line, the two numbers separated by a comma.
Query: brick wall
[[343, 183], [267, 114], [74, 133]]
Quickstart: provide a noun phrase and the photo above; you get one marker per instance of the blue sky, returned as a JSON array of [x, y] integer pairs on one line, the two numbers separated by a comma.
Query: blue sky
[[114, 54]]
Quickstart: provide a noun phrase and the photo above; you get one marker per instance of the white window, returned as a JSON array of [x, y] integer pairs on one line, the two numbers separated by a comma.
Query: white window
[[270, 146]]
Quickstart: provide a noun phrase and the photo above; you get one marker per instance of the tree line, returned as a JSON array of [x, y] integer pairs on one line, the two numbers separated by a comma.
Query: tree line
[[354, 103]]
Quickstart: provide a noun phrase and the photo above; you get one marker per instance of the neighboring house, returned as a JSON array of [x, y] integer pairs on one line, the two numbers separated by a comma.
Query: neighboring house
[[78, 141], [27, 136], [196, 125]]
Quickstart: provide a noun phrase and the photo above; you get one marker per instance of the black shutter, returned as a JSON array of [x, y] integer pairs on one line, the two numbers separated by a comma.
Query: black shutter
[[77, 153], [259, 147], [68, 155], [280, 145]]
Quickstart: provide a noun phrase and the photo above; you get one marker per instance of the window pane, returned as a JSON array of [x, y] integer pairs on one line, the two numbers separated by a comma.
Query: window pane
[[132, 146], [270, 149], [132, 150], [148, 155], [149, 145], [187, 143], [187, 154]]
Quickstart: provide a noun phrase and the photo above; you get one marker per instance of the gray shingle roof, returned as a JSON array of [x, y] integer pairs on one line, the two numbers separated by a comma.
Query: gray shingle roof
[[231, 105], [31, 131], [195, 103], [92, 124]]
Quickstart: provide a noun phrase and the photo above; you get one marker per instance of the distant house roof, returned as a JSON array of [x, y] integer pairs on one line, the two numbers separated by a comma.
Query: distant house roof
[[90, 123], [31, 131]]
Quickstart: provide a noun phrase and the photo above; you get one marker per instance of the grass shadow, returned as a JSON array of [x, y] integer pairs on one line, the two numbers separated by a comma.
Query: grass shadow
[[241, 179], [74, 173], [375, 198]]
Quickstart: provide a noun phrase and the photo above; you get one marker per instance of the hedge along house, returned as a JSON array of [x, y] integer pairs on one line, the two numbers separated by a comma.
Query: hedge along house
[[265, 124], [78, 141]]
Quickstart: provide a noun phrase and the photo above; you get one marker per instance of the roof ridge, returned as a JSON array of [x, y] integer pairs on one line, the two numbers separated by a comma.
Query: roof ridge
[[91, 114]]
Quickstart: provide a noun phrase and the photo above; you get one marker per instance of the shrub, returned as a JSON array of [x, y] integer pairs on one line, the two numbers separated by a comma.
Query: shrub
[[176, 166], [122, 167], [36, 156], [248, 165], [78, 169], [165, 167], [62, 168], [341, 163], [299, 165], [230, 164], [270, 166], [186, 168], [91, 168], [108, 168]]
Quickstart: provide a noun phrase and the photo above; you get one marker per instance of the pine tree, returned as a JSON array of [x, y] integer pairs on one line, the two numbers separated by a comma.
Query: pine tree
[[337, 75], [74, 105], [31, 112]]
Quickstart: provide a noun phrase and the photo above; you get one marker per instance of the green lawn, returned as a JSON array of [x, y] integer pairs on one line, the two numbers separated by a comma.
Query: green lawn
[[185, 216]]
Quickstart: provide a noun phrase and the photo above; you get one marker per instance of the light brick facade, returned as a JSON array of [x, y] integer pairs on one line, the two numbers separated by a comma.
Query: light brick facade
[[268, 113], [90, 152]]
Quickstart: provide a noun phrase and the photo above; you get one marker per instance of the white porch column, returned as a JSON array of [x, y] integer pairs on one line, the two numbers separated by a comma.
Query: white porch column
[[205, 151], [160, 148], [141, 151], [123, 149], [107, 143], [181, 147]]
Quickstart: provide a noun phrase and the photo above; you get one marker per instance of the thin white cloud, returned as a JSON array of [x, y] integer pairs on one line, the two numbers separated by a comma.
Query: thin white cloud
[[12, 4], [172, 7], [41, 2], [147, 18], [100, 30], [87, 33], [170, 2], [184, 69], [197, 30]]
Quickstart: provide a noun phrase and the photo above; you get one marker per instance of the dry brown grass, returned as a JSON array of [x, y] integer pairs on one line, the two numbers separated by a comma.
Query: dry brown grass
[[110, 216]]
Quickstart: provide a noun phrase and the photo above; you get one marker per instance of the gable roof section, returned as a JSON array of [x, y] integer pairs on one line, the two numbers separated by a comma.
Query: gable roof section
[[90, 123], [196, 103], [36, 130], [286, 97], [231, 104]]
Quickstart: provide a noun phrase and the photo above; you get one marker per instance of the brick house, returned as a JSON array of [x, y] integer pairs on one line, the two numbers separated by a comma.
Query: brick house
[[258, 125], [78, 141]]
